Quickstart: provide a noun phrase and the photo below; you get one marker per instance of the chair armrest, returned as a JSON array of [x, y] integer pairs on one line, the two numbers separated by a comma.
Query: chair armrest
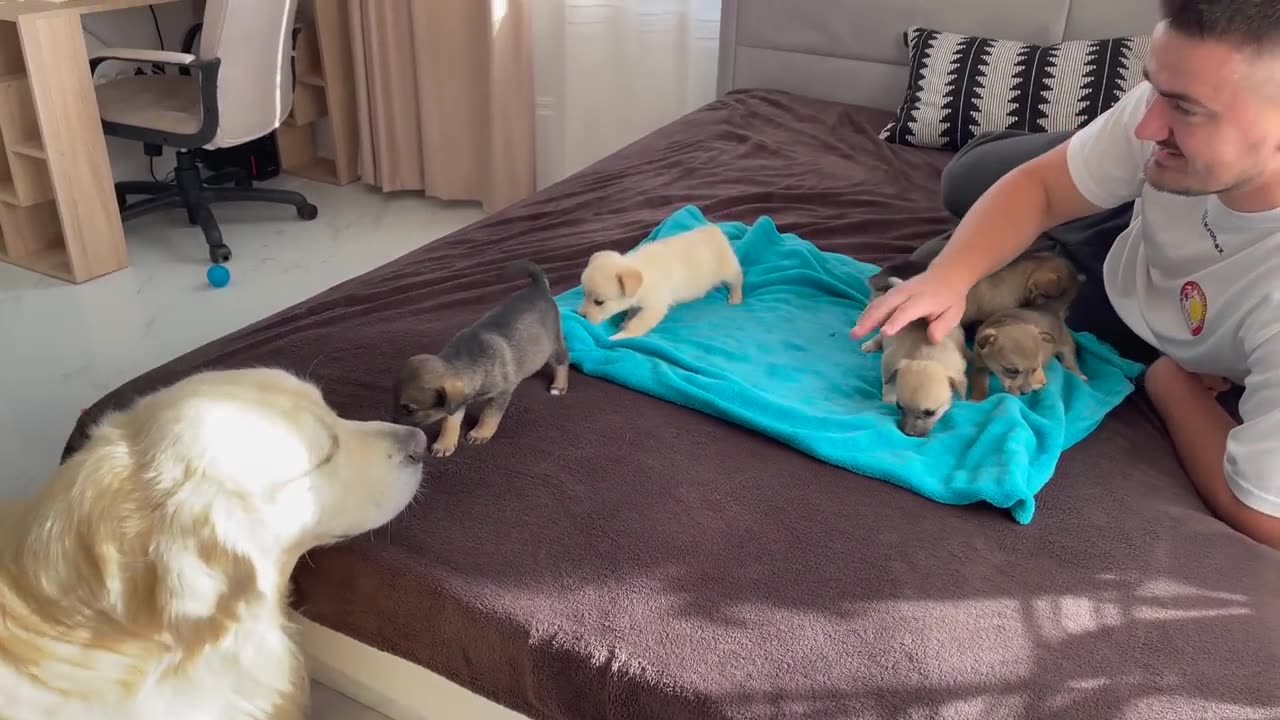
[[162, 57], [183, 61], [206, 74]]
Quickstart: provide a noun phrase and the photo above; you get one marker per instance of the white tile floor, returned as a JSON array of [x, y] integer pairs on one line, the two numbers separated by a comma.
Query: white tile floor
[[62, 346]]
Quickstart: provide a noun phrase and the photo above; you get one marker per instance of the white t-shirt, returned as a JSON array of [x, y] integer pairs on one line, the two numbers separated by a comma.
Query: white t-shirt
[[1198, 281]]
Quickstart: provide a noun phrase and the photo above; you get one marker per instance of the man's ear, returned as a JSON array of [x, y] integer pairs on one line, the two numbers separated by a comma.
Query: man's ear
[[630, 280], [454, 394], [985, 339]]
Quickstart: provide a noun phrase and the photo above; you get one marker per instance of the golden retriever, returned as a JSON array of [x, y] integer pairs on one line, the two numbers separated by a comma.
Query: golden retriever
[[148, 580]]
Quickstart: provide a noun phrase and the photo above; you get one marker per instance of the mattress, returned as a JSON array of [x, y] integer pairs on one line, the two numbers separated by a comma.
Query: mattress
[[611, 555]]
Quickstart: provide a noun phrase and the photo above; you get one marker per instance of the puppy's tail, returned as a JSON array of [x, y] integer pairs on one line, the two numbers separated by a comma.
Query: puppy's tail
[[530, 270]]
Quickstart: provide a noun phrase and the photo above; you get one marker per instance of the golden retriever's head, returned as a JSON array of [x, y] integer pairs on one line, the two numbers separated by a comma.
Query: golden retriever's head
[[610, 284], [195, 503]]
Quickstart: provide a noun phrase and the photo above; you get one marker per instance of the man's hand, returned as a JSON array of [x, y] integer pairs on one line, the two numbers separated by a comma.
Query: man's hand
[[930, 295]]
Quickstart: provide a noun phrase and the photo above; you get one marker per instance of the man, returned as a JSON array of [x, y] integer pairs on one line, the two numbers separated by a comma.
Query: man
[[1195, 269]]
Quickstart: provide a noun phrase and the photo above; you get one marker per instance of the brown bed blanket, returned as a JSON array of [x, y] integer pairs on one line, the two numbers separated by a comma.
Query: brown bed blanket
[[611, 555]]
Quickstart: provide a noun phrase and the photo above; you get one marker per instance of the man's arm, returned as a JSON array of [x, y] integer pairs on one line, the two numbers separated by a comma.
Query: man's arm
[[1199, 427], [1100, 166], [1008, 217]]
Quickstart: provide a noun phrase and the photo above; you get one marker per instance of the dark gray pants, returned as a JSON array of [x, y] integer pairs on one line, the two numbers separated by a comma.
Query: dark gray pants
[[978, 165]]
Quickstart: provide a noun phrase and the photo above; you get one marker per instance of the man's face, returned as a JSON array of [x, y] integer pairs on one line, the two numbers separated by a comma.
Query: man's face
[[1215, 117]]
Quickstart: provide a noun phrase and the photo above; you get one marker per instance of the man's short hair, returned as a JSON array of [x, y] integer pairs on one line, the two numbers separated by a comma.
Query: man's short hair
[[1252, 23]]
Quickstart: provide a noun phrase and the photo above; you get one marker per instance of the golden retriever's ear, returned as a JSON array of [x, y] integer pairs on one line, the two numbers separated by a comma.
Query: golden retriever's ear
[[985, 339], [455, 394], [200, 587], [630, 280]]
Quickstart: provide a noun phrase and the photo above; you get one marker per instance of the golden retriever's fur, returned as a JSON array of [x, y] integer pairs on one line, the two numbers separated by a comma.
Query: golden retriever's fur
[[149, 578]]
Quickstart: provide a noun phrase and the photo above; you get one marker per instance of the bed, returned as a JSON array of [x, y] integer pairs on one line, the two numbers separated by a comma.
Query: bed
[[612, 555]]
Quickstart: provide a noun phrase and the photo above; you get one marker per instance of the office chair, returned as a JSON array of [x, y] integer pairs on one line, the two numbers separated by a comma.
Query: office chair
[[236, 88]]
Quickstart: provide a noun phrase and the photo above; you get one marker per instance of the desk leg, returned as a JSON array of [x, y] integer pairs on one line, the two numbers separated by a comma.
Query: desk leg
[[57, 66]]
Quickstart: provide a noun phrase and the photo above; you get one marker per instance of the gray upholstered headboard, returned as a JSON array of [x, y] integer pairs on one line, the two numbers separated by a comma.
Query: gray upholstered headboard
[[852, 50]]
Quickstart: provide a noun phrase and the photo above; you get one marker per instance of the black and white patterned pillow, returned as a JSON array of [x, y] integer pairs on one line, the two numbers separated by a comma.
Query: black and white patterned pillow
[[960, 86]]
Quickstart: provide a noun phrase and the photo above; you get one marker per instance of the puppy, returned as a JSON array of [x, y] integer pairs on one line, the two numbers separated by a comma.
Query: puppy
[[484, 363], [1015, 345], [149, 577], [919, 376], [1041, 279], [1045, 280], [650, 280]]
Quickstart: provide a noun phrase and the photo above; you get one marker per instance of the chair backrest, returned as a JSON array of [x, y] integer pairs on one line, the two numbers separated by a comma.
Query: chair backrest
[[254, 39]]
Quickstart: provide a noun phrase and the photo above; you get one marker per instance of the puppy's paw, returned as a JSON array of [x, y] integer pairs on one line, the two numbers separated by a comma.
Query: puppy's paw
[[622, 335], [558, 390], [735, 296], [443, 449], [870, 346], [476, 437]]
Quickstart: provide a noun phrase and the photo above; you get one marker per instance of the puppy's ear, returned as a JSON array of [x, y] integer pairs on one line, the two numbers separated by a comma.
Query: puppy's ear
[[454, 394], [1048, 338], [985, 339], [959, 385], [630, 280], [893, 377]]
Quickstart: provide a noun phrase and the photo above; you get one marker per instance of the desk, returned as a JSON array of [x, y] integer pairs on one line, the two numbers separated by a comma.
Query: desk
[[58, 212]]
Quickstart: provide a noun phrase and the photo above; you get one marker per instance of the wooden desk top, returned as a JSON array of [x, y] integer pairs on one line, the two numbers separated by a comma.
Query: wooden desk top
[[14, 9]]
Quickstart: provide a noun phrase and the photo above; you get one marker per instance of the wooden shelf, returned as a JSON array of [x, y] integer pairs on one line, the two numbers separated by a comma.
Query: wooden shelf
[[33, 239], [50, 261], [319, 169], [30, 148], [325, 89]]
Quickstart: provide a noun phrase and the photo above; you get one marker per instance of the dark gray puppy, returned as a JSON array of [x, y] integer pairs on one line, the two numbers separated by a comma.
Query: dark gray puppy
[[484, 363]]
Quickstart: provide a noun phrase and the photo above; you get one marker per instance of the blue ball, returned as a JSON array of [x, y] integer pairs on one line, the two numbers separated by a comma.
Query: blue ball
[[218, 275]]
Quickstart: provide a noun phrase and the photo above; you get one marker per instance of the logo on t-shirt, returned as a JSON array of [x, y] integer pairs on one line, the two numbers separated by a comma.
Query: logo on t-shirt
[[1213, 236], [1195, 306]]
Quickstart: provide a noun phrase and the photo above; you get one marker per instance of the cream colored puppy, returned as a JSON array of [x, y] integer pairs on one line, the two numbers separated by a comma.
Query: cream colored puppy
[[651, 279], [919, 377], [148, 580]]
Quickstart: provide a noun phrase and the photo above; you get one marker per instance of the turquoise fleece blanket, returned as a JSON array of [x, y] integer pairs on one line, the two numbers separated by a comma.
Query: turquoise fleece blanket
[[783, 364]]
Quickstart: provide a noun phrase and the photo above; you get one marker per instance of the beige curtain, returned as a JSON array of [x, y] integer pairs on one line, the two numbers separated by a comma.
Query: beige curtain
[[444, 95]]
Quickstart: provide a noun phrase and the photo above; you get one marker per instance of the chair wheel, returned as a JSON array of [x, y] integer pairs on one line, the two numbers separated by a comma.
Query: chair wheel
[[244, 182], [308, 211], [219, 254]]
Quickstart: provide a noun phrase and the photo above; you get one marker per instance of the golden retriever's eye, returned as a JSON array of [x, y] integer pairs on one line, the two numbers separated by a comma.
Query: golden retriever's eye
[[1012, 372]]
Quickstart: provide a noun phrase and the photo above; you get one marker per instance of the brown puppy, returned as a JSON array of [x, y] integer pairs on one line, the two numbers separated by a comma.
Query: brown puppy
[[484, 363], [1015, 345], [1041, 279]]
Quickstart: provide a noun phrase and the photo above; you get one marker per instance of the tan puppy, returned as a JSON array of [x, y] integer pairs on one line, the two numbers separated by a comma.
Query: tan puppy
[[651, 279], [1034, 280], [919, 376], [1016, 345], [149, 578]]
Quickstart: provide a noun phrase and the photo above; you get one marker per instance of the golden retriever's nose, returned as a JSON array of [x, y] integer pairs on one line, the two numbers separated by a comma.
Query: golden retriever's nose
[[414, 442]]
